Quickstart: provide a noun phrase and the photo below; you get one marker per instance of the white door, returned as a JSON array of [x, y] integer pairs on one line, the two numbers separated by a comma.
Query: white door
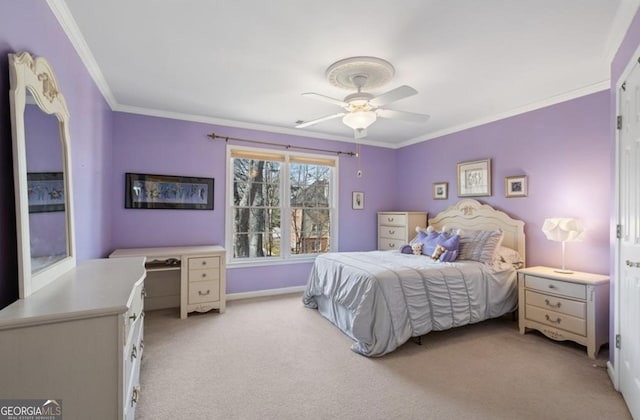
[[628, 282]]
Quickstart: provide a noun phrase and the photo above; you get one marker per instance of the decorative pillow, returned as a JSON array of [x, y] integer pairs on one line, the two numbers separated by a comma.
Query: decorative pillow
[[406, 249], [431, 240], [480, 245], [449, 256], [417, 248], [438, 252], [511, 256]]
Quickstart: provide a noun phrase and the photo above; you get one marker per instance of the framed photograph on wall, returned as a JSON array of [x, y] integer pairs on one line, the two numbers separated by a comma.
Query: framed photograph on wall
[[45, 191], [474, 178], [516, 186], [144, 191], [440, 190], [357, 200]]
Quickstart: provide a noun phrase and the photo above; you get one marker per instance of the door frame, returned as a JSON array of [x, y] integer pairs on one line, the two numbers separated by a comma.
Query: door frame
[[634, 60]]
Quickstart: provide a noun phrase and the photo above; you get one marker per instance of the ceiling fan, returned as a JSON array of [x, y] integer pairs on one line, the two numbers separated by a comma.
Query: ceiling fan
[[361, 109]]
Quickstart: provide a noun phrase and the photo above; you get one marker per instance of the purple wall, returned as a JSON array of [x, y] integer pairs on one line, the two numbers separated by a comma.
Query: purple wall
[[29, 25], [565, 151], [170, 147]]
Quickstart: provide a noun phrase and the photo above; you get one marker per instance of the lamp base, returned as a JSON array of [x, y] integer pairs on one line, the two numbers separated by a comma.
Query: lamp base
[[563, 271]]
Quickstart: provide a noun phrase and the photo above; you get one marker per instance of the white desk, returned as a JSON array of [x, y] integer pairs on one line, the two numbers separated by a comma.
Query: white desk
[[191, 277]]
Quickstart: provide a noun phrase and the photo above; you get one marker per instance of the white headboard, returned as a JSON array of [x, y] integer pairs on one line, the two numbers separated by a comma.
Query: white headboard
[[471, 214]]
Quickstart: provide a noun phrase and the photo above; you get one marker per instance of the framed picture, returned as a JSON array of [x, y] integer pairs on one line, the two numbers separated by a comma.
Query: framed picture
[[440, 190], [357, 200], [144, 191], [516, 186], [45, 191], [474, 178]]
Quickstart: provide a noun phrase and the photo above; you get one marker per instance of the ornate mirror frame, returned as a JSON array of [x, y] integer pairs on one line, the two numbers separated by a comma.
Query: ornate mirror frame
[[36, 75]]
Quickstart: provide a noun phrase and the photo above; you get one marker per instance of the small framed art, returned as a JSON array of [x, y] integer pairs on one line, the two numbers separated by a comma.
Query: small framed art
[[474, 178], [357, 200], [516, 186], [440, 190], [144, 191]]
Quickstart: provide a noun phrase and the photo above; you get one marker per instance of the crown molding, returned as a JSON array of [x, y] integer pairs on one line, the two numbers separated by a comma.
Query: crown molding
[[621, 23], [70, 27]]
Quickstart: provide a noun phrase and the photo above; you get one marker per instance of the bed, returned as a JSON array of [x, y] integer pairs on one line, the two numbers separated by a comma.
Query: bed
[[381, 299]]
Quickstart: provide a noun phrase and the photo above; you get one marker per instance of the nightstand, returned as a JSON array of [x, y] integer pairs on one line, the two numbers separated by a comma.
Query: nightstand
[[565, 306]]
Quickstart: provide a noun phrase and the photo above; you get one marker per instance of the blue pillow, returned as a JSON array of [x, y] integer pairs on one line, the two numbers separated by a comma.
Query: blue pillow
[[431, 240]]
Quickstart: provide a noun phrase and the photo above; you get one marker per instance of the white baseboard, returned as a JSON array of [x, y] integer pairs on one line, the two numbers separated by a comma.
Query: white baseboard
[[263, 293], [613, 375]]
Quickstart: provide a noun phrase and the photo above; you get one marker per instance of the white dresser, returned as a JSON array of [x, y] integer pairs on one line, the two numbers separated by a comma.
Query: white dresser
[[191, 277], [565, 306], [397, 228], [78, 340]]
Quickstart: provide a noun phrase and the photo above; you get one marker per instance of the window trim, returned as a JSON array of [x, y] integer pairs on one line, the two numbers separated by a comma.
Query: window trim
[[284, 258]]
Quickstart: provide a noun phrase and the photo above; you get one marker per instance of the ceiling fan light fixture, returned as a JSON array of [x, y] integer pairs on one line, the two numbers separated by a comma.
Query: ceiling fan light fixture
[[359, 119]]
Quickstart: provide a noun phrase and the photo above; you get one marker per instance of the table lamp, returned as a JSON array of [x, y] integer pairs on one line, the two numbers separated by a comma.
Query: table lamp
[[563, 230]]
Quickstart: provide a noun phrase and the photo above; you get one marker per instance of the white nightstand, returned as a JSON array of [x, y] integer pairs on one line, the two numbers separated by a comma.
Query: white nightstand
[[565, 306]]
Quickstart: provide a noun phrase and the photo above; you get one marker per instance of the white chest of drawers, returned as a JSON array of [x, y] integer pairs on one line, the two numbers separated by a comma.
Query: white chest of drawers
[[79, 340], [397, 228], [565, 306], [191, 277]]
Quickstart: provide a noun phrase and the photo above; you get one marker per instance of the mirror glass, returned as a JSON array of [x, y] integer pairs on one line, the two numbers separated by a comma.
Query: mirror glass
[[45, 179], [42, 173]]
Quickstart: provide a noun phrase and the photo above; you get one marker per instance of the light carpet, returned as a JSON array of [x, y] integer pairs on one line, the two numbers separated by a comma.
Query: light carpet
[[272, 358]]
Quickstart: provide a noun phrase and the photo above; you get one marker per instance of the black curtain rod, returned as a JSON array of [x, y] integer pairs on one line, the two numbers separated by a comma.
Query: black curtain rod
[[214, 136]]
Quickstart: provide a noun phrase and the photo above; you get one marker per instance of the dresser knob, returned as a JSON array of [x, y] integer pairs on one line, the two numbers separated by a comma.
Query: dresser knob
[[134, 352], [551, 286], [204, 263], [134, 395], [556, 321], [392, 245], [390, 219], [204, 275]]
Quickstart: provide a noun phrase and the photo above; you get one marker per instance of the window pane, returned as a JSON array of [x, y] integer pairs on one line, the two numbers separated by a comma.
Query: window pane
[[309, 231], [309, 185]]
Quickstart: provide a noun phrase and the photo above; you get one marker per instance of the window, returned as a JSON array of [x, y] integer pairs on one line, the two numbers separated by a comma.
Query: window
[[282, 205]]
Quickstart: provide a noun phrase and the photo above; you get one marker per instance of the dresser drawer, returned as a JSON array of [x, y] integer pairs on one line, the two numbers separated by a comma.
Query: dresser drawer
[[204, 275], [204, 291], [133, 354], [204, 262], [388, 219], [557, 304], [558, 287], [386, 243], [393, 232], [136, 307], [557, 320]]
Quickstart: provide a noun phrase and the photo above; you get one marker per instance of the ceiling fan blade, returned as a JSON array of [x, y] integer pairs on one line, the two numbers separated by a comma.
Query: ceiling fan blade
[[402, 115], [360, 133], [393, 95], [326, 99], [319, 120]]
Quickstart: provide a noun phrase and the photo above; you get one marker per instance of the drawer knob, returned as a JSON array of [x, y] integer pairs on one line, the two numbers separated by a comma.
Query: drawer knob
[[134, 352], [204, 263], [141, 344], [391, 232], [557, 305], [551, 286], [392, 245], [205, 293], [143, 293], [390, 219], [556, 321], [204, 275]]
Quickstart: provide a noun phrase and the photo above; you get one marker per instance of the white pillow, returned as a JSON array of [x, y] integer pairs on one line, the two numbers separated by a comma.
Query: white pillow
[[511, 256], [480, 245]]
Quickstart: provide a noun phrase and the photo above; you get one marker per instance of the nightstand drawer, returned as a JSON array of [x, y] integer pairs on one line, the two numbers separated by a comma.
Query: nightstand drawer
[[557, 287], [204, 262], [557, 320], [393, 232], [389, 219], [204, 275], [553, 303]]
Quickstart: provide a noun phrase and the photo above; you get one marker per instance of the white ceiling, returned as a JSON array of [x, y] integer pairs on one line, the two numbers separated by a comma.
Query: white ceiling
[[246, 63]]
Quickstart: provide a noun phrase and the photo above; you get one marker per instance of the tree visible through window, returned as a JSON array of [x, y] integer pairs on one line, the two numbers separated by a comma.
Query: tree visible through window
[[282, 204]]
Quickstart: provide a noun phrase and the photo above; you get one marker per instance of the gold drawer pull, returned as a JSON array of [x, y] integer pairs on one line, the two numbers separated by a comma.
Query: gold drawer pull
[[204, 294], [557, 305], [134, 352], [556, 321]]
